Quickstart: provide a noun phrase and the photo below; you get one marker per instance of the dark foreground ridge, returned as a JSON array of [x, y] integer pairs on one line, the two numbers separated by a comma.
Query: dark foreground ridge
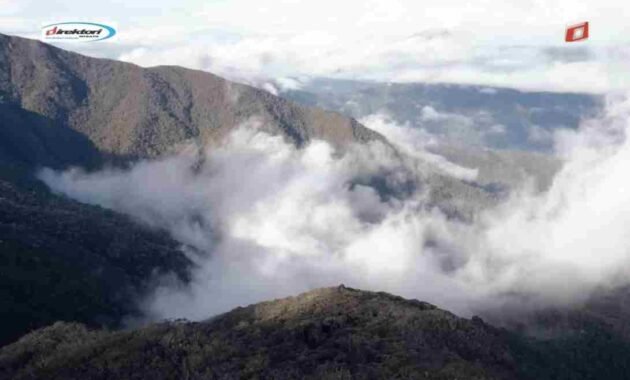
[[330, 333]]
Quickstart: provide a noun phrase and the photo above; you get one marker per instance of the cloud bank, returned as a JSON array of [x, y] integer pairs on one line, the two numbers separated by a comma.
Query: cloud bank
[[511, 43], [262, 220]]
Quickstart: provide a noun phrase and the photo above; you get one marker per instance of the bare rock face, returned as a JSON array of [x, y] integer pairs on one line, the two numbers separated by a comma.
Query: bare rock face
[[129, 111], [331, 333]]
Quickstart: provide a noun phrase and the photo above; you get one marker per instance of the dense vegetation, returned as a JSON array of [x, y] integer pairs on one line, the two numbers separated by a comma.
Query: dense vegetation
[[334, 333], [62, 260]]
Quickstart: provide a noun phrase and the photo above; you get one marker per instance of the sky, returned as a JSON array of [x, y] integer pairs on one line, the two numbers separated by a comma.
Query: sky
[[518, 44]]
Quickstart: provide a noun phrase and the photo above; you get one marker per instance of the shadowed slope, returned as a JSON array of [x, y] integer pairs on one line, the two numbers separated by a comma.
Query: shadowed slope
[[63, 260]]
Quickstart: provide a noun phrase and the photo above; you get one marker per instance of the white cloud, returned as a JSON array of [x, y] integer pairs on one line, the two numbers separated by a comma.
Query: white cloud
[[269, 87], [414, 141], [539, 135], [498, 43], [488, 91], [294, 222]]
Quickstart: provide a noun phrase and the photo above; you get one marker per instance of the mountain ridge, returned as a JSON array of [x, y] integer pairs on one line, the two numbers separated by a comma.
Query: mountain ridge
[[129, 111], [334, 333]]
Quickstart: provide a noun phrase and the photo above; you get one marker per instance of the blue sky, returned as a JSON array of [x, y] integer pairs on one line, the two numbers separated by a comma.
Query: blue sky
[[509, 43]]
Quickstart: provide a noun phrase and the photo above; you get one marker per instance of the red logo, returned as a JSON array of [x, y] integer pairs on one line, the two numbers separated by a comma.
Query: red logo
[[577, 32]]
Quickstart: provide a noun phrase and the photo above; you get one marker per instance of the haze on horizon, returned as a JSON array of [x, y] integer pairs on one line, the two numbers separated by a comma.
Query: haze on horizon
[[517, 44]]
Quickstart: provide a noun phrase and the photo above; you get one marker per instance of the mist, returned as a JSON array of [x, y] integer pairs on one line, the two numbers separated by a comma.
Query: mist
[[262, 219]]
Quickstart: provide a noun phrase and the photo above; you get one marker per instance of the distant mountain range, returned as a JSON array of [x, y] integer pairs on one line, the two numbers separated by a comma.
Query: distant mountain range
[[508, 135], [489, 117]]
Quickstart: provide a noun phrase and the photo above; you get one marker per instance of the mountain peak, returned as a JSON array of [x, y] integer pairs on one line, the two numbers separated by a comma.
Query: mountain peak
[[127, 111], [333, 300]]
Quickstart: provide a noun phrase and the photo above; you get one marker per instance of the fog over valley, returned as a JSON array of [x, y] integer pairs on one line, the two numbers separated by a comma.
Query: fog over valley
[[262, 219]]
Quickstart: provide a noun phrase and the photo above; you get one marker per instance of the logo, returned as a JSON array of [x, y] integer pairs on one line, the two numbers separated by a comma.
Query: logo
[[77, 31], [577, 32]]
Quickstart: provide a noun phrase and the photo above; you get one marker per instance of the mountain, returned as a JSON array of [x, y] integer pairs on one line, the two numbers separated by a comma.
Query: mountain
[[506, 134], [126, 111], [489, 117], [63, 260], [59, 109], [501, 169], [330, 333]]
